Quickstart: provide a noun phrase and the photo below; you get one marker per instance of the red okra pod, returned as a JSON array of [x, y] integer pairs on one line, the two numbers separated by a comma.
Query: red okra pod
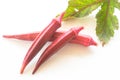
[[40, 40], [80, 39], [57, 44]]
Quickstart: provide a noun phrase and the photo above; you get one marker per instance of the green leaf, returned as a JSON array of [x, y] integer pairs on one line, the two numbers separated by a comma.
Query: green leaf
[[81, 8], [117, 5], [107, 22]]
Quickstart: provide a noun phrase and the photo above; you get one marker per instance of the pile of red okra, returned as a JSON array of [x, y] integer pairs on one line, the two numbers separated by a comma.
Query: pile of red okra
[[58, 38]]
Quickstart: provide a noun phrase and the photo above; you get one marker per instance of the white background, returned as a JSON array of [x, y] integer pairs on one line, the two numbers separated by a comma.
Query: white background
[[72, 62]]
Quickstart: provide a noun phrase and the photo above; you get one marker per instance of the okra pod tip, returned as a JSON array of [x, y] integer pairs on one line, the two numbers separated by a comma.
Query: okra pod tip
[[22, 68], [8, 36]]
